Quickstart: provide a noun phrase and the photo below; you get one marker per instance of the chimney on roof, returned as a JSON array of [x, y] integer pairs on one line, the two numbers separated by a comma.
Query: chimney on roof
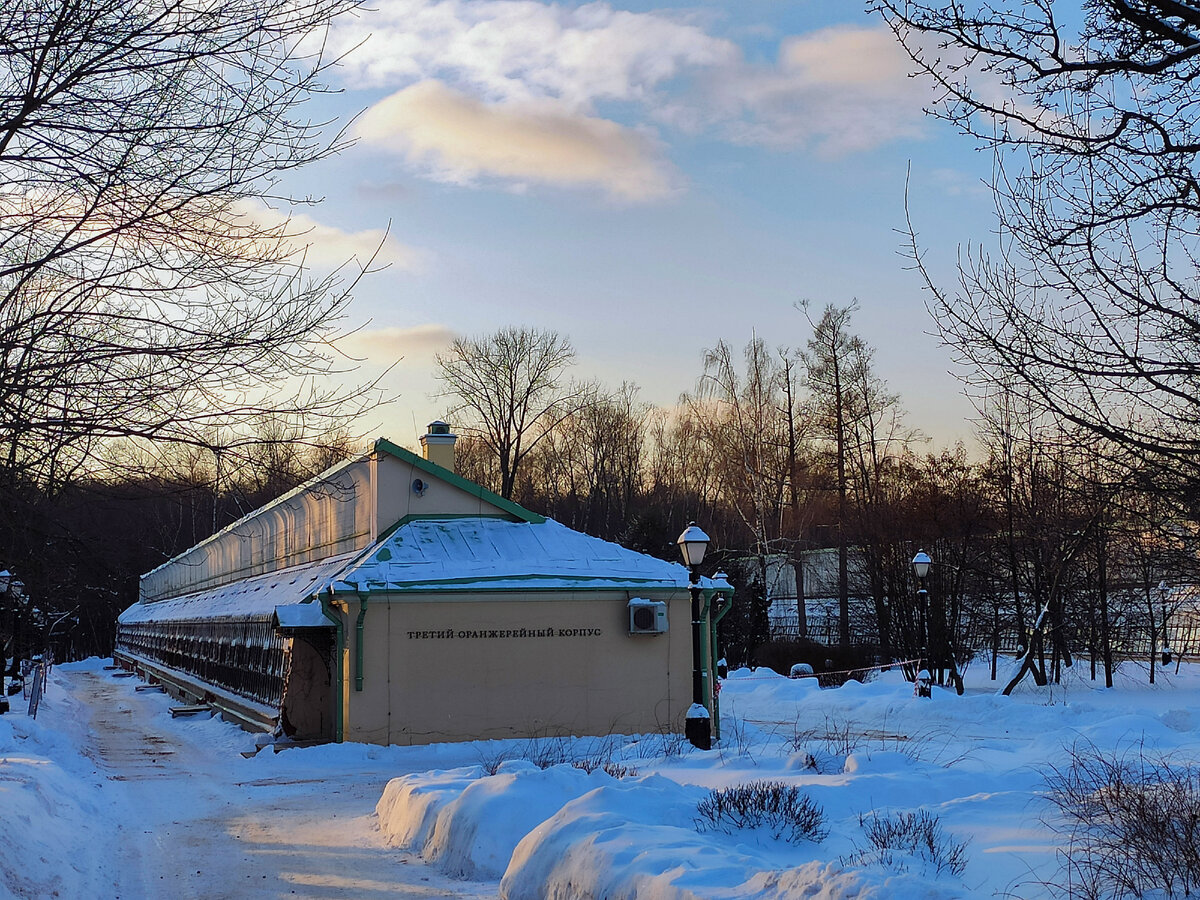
[[437, 445]]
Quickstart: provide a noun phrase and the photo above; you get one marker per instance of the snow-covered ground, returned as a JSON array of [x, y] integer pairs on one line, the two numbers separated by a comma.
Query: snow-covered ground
[[106, 796]]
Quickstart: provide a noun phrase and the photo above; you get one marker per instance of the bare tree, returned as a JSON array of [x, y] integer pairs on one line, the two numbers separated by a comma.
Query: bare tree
[[587, 472], [513, 389], [755, 428], [1091, 300], [146, 290], [745, 420], [840, 384], [681, 482]]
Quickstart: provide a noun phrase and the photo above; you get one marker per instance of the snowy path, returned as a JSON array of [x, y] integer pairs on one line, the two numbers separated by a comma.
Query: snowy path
[[106, 796], [192, 818]]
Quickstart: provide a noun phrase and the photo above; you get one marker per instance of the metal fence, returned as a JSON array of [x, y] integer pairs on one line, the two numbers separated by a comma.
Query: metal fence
[[1130, 637], [246, 656]]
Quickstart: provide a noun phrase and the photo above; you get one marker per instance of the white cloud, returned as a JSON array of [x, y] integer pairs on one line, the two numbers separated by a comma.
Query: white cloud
[[511, 89], [457, 138], [519, 50], [386, 345], [954, 183], [838, 90], [845, 56], [324, 245]]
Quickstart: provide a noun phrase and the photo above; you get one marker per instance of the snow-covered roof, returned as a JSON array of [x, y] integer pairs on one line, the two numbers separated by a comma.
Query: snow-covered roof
[[428, 555], [309, 614], [478, 553], [253, 597]]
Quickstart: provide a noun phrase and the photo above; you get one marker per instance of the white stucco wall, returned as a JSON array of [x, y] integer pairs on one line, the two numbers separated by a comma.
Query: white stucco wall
[[342, 511]]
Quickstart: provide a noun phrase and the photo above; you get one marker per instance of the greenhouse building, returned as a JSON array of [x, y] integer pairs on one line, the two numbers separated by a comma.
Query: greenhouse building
[[392, 601]]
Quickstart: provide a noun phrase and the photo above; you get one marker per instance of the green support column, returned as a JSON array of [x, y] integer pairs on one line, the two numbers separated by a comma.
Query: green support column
[[715, 707]]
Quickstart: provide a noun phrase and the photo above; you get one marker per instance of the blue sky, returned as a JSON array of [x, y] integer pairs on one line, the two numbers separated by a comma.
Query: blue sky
[[646, 180]]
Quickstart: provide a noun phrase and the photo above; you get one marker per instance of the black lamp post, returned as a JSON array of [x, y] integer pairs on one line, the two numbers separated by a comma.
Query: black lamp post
[[11, 589], [698, 725], [921, 563], [1164, 592]]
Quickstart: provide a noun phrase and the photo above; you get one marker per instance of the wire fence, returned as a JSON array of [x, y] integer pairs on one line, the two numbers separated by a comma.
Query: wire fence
[[1128, 638], [35, 687]]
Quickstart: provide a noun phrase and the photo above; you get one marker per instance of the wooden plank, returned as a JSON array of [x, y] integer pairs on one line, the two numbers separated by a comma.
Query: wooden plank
[[288, 745], [149, 687], [196, 710], [123, 674]]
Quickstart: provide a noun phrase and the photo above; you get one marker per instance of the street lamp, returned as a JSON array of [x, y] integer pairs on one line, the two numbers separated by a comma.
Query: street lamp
[[11, 588], [1164, 591], [720, 601], [921, 563], [697, 726]]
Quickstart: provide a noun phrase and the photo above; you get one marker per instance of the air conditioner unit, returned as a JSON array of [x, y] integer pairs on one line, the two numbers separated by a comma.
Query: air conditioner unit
[[647, 616]]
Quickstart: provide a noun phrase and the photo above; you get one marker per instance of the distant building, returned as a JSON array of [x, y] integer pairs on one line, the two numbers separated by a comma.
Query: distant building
[[816, 592], [391, 601], [781, 591]]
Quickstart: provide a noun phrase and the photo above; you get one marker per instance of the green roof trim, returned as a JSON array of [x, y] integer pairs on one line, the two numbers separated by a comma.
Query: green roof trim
[[383, 445], [436, 589], [522, 583]]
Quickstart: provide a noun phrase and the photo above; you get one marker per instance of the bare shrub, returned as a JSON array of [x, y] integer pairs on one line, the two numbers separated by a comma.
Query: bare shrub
[[600, 753], [544, 752], [616, 770], [586, 754], [774, 805], [1132, 823], [493, 754], [834, 737], [932, 744], [827, 745], [737, 736], [666, 743], [918, 835]]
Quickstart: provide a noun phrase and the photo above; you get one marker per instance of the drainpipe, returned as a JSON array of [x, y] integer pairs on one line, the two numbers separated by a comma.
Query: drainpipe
[[358, 642], [340, 639], [713, 622]]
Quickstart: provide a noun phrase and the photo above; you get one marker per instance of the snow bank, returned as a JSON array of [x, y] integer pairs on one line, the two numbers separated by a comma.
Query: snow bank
[[563, 833], [410, 805], [628, 839], [638, 840], [55, 843], [469, 824]]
